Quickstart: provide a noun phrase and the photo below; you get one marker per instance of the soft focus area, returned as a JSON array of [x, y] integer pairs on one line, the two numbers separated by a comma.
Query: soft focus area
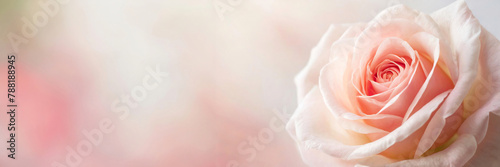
[[167, 83]]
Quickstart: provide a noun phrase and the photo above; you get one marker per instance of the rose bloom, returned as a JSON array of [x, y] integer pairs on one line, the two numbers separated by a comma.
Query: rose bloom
[[406, 89]]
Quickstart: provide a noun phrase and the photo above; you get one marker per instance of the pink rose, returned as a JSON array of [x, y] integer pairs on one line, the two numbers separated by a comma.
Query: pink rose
[[406, 89]]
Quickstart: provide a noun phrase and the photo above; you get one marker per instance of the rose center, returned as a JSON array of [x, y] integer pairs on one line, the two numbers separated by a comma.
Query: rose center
[[388, 71]]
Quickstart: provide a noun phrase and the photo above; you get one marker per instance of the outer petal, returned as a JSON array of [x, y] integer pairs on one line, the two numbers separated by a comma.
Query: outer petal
[[313, 126], [489, 150], [397, 21], [456, 155], [317, 158], [458, 24], [313, 130], [308, 77], [478, 57], [402, 132], [483, 98], [463, 30], [321, 140]]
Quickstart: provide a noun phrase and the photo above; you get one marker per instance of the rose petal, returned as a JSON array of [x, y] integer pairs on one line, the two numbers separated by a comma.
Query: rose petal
[[317, 158], [484, 95], [320, 54], [437, 81], [321, 131], [397, 21], [313, 124], [401, 100], [456, 155], [402, 132], [489, 149], [472, 43]]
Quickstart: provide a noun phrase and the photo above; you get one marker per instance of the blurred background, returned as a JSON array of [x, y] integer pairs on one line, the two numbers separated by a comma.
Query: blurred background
[[179, 83]]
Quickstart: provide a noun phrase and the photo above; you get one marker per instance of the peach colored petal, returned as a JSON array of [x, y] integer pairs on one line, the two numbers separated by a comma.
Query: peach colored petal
[[437, 81], [401, 100], [388, 124], [332, 77], [336, 99], [400, 133], [392, 49], [321, 131], [392, 46]]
